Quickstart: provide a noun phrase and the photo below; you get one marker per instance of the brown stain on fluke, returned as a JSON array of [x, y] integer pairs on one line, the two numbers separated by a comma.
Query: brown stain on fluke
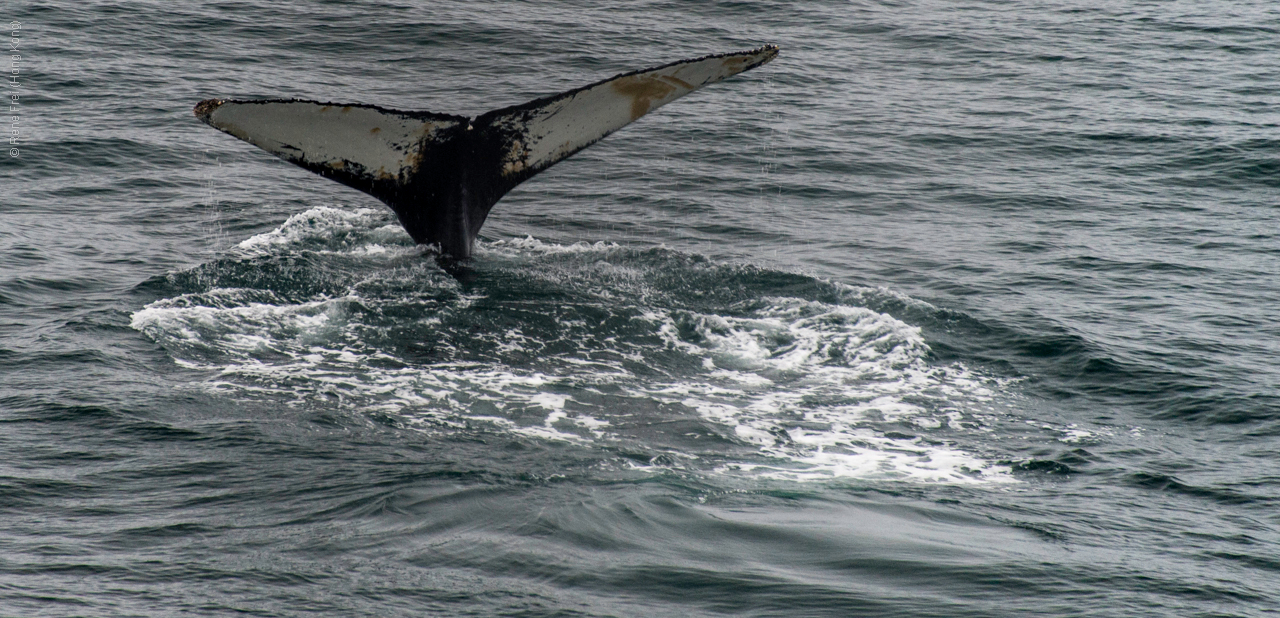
[[206, 107], [677, 81], [375, 130], [643, 90]]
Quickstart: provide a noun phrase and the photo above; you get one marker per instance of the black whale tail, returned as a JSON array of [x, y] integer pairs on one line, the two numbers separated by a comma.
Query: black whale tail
[[441, 174]]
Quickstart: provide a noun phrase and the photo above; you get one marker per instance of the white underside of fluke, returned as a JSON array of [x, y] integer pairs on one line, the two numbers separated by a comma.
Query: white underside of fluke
[[385, 143], [572, 122]]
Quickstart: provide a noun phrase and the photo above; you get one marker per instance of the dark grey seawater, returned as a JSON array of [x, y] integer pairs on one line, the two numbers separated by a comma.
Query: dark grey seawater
[[955, 309]]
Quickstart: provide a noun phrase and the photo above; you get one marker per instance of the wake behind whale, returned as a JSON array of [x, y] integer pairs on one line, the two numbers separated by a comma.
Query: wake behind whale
[[441, 173]]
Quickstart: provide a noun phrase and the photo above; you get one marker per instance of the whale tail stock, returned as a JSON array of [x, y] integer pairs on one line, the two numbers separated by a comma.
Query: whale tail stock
[[440, 173]]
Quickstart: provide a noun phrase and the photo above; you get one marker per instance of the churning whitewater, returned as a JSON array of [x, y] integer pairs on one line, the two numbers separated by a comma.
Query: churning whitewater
[[802, 381]]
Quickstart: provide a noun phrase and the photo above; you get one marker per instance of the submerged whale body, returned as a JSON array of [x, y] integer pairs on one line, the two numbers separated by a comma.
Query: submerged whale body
[[440, 173]]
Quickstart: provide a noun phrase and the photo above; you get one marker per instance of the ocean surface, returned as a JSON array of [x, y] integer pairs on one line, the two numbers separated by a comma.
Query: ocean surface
[[954, 309]]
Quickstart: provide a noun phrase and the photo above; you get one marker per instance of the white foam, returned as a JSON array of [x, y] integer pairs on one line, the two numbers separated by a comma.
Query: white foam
[[813, 387], [814, 376], [321, 222], [530, 245], [236, 331]]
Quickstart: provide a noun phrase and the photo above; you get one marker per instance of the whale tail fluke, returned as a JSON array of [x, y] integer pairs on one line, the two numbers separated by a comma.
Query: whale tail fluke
[[440, 173]]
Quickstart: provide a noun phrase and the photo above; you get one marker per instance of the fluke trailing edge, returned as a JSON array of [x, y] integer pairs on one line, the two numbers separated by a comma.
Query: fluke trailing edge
[[441, 174]]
